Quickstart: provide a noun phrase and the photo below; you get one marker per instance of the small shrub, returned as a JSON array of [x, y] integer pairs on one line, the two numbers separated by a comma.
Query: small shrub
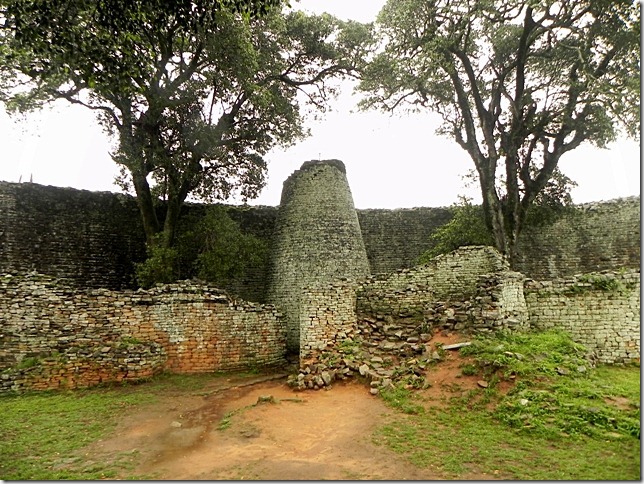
[[469, 369], [218, 250], [161, 267], [601, 282], [29, 362], [467, 227]]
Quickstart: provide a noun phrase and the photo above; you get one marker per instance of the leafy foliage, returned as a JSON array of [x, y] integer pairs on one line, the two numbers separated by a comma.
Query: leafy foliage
[[467, 227], [518, 85], [535, 354], [160, 267], [601, 282], [219, 249], [402, 399], [212, 248], [196, 92]]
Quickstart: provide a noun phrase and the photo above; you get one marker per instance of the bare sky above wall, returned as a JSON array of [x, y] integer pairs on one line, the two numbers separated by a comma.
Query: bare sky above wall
[[392, 161]]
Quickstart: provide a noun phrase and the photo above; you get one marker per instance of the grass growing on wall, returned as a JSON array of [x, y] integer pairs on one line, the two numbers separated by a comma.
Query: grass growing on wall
[[561, 420]]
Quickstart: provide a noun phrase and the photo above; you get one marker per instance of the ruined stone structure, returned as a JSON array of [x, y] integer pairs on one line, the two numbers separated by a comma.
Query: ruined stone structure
[[53, 335], [317, 239], [94, 238], [601, 310], [597, 236], [336, 276]]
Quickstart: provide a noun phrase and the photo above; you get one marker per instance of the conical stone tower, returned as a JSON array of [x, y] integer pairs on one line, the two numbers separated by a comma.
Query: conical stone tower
[[317, 238]]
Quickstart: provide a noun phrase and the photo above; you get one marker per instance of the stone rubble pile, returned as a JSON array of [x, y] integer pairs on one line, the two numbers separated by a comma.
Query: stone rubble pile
[[382, 351]]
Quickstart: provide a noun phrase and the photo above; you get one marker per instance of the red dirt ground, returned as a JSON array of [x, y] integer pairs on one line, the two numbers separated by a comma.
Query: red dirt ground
[[307, 435]]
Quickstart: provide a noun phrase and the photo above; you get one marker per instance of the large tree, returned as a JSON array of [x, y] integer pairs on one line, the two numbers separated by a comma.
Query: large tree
[[196, 91], [518, 85]]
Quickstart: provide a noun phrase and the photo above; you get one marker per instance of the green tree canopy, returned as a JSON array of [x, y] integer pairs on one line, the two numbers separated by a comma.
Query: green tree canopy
[[518, 84], [196, 92]]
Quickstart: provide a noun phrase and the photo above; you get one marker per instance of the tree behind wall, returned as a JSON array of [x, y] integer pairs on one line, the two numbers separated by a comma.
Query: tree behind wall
[[196, 92], [517, 83]]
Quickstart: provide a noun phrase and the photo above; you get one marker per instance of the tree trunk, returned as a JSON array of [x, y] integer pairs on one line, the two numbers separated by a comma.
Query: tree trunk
[[492, 205], [145, 202], [496, 223], [173, 210]]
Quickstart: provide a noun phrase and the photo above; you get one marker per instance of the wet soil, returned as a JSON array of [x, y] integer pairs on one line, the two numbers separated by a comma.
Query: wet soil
[[259, 428]]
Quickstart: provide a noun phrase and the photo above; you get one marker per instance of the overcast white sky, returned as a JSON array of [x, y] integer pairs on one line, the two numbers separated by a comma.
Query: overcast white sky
[[392, 161]]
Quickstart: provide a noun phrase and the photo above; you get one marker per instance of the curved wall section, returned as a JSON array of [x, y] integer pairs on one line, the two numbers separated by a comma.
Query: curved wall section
[[317, 239]]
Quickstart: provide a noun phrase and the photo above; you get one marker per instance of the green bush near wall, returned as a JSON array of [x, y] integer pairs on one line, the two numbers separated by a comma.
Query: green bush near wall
[[211, 247]]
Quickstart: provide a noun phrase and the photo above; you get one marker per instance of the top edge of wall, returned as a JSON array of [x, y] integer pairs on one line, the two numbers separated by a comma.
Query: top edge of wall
[[594, 205]]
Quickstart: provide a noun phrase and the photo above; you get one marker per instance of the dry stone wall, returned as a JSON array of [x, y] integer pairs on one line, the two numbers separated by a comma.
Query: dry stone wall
[[54, 335], [327, 316], [394, 239], [371, 326], [600, 310], [94, 238], [597, 236], [406, 292], [317, 239]]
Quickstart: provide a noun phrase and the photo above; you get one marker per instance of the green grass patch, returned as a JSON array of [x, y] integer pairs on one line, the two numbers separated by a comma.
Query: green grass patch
[[402, 399], [226, 420], [457, 443], [562, 420], [39, 433]]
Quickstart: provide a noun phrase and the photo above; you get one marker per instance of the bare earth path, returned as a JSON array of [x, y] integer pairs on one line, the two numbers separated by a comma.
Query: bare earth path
[[257, 427], [307, 435]]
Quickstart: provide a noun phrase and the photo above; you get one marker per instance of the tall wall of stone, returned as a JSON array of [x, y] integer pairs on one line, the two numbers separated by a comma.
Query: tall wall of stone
[[394, 239], [317, 238], [95, 238], [90, 237], [597, 236], [52, 335], [600, 310]]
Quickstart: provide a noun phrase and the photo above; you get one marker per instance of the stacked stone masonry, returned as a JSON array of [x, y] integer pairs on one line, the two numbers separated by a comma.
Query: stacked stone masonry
[[392, 317], [55, 335], [394, 239], [396, 315], [94, 238], [405, 293], [90, 237], [317, 239], [600, 310], [327, 316], [596, 236]]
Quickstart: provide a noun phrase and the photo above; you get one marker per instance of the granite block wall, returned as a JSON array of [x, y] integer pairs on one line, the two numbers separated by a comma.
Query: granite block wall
[[90, 237], [327, 316], [317, 239], [390, 344], [600, 310], [94, 238], [597, 236], [56, 335], [404, 293], [394, 239]]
